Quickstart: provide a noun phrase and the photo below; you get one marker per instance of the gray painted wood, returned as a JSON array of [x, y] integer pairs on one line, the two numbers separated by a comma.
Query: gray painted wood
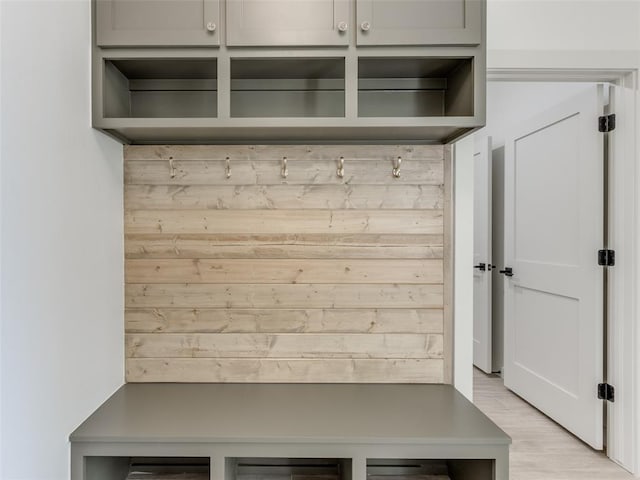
[[411, 22], [349, 128], [282, 130], [361, 427], [288, 23], [157, 23], [143, 88], [290, 413], [291, 103]]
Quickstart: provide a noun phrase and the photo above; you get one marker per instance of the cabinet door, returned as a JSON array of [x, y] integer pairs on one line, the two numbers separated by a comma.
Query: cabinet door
[[419, 22], [287, 22], [157, 22]]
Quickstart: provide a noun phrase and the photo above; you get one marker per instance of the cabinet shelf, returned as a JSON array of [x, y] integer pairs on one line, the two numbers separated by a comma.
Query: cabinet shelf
[[277, 87], [160, 88], [415, 87]]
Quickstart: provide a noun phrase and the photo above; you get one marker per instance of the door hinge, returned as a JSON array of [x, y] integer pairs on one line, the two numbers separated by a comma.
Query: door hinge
[[606, 392], [607, 123], [606, 258]]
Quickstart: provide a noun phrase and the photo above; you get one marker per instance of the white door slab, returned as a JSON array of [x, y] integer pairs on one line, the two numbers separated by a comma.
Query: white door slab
[[553, 231], [482, 317]]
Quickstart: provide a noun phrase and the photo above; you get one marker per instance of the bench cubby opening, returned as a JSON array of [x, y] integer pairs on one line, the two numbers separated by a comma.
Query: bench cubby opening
[[255, 468], [160, 88], [147, 468], [430, 469], [415, 87]]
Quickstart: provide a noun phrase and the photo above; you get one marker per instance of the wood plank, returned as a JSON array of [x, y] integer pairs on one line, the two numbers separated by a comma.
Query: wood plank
[[279, 296], [241, 271], [183, 197], [288, 345], [268, 172], [291, 370], [190, 320], [283, 269], [363, 246], [284, 221], [295, 152]]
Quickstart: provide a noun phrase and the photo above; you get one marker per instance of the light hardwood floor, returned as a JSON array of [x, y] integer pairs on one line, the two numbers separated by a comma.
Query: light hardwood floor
[[541, 449]]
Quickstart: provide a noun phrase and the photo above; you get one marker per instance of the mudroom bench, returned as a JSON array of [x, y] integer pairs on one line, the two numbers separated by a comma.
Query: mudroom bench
[[288, 431]]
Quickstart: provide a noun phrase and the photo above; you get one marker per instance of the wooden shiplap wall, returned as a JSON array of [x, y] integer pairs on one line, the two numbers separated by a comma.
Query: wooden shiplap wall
[[308, 278]]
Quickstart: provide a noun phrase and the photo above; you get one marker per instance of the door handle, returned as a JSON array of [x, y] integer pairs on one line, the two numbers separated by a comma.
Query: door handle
[[481, 266], [508, 272]]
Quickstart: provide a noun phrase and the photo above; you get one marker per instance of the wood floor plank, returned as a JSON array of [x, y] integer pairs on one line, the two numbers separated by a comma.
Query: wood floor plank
[[277, 296], [329, 246], [222, 320], [239, 271], [541, 448], [284, 221], [288, 345], [289, 370]]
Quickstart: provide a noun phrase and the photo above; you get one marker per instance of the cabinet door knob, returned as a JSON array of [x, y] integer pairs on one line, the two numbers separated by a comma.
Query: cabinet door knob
[[342, 26], [211, 27], [365, 26]]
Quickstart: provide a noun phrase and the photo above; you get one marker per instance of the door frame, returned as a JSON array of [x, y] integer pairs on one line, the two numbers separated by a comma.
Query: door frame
[[485, 148], [623, 339]]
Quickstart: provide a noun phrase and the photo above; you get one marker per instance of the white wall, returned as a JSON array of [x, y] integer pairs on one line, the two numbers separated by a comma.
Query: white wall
[[560, 25], [1, 336], [463, 266], [510, 103], [563, 33], [61, 244]]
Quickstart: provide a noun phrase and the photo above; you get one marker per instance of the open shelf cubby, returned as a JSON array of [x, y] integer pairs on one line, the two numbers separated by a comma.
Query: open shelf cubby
[[287, 87], [430, 469], [288, 469], [160, 88], [147, 468], [415, 87]]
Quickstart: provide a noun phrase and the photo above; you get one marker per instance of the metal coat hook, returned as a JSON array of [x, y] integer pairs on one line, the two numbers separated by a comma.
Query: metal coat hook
[[228, 168], [172, 168], [396, 167], [285, 171], [340, 171]]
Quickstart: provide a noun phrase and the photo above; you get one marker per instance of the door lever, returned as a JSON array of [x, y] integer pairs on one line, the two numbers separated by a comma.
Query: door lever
[[482, 267], [508, 272]]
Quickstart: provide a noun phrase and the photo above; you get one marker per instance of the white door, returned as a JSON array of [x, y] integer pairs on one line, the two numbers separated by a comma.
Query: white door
[[482, 267], [553, 231]]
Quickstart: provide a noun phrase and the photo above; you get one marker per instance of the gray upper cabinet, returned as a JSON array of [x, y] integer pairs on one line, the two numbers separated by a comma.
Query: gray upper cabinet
[[288, 22], [419, 22], [157, 23]]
